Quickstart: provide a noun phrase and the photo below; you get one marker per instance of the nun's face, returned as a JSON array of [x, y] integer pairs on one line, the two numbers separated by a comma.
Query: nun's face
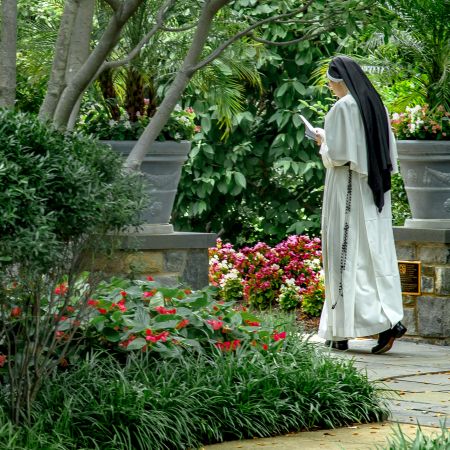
[[339, 89]]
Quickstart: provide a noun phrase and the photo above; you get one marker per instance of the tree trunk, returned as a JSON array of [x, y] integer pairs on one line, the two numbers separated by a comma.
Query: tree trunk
[[86, 74], [8, 48], [177, 87], [79, 48], [57, 79]]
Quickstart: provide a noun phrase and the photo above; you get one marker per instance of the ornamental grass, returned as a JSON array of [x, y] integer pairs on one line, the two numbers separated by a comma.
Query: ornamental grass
[[195, 399]]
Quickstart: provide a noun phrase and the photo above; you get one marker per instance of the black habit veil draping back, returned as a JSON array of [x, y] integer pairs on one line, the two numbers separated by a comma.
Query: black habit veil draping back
[[375, 122]]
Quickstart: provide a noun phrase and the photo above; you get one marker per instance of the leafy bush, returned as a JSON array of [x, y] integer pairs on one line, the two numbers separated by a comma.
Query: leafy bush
[[267, 275], [138, 315], [400, 205], [312, 302], [197, 399], [57, 188]]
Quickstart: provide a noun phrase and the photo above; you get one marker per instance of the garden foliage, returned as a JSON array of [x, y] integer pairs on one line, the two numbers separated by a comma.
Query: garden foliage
[[56, 189], [263, 276], [194, 400]]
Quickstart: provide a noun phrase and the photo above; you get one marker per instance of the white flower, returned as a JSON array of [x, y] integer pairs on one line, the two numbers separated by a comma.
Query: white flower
[[396, 116], [290, 282], [127, 124], [177, 108], [112, 123], [275, 266], [177, 136]]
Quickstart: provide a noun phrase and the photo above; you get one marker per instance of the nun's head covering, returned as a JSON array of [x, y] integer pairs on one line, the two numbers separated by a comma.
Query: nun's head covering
[[375, 122]]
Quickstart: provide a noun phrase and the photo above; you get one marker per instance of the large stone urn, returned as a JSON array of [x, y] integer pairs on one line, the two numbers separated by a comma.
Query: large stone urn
[[425, 168], [161, 168]]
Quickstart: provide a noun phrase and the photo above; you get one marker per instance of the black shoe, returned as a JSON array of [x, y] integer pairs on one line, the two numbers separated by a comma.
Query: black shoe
[[386, 338], [337, 345]]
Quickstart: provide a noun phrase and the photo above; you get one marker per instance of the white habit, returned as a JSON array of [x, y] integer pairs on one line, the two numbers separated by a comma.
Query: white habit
[[371, 300]]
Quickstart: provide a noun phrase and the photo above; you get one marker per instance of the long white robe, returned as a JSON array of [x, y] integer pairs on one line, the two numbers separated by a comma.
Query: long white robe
[[372, 299]]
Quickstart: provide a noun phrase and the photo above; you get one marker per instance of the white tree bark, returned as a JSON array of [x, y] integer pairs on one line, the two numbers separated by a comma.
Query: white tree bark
[[79, 49], [85, 75], [178, 85], [8, 48], [57, 79]]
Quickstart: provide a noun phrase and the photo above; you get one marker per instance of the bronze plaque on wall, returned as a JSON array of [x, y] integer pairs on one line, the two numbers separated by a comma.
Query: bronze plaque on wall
[[410, 276]]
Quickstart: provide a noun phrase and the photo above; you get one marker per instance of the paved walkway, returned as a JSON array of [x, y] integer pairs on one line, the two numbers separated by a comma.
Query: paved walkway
[[418, 376]]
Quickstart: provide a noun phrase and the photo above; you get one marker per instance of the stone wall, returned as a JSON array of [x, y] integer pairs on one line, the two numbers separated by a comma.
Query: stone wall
[[427, 316], [171, 259]]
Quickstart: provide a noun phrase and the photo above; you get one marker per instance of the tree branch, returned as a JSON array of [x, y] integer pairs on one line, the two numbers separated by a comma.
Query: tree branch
[[136, 50], [115, 4], [246, 32], [279, 44], [177, 30]]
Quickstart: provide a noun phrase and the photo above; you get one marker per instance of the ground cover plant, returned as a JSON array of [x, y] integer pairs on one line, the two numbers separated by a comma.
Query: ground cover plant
[[436, 441], [196, 398], [287, 275]]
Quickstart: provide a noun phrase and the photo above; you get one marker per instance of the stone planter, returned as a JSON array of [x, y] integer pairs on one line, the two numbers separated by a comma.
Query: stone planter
[[425, 168], [162, 170]]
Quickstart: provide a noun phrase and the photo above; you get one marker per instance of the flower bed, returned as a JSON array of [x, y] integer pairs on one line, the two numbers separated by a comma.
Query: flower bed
[[288, 275]]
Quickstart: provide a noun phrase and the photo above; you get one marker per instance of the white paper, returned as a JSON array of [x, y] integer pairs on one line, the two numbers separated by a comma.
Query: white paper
[[310, 132]]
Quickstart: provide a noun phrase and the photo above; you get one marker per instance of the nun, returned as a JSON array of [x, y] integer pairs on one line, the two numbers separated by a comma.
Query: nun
[[362, 283]]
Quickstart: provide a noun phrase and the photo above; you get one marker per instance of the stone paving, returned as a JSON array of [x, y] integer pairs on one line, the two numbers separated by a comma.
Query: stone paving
[[417, 379]]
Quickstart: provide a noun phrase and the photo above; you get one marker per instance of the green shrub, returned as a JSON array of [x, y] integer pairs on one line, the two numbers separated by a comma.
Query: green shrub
[[57, 188], [195, 400], [312, 302], [400, 204]]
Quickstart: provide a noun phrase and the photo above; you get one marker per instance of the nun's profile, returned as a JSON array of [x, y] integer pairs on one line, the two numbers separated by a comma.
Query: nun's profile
[[362, 283]]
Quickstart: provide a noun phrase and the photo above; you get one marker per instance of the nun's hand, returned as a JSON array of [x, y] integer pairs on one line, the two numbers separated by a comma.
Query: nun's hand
[[320, 135]]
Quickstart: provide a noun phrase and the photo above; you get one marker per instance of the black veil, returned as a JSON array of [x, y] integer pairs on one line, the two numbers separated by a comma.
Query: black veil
[[375, 122]]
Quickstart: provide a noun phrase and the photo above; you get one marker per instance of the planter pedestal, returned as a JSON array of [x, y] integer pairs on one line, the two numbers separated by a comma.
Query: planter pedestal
[[171, 258], [427, 316]]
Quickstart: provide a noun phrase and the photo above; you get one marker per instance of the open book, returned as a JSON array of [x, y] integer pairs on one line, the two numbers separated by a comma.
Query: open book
[[309, 129]]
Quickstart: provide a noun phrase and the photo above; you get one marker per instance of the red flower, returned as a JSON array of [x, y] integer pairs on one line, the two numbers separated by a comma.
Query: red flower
[[123, 293], [61, 289], [265, 347], [216, 324], [3, 359], [150, 278], [183, 323], [163, 310], [16, 311], [148, 294], [252, 324], [59, 334], [187, 291], [279, 336], [102, 310], [91, 302], [70, 309]]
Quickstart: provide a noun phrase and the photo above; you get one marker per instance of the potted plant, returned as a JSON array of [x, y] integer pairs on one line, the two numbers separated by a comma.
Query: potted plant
[[424, 153], [163, 163], [419, 66]]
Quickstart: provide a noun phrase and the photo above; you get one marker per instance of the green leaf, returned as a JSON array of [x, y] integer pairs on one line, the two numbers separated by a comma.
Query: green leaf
[[206, 124], [239, 178], [137, 344], [111, 334]]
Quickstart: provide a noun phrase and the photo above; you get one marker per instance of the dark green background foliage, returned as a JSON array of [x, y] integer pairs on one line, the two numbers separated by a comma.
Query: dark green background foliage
[[56, 188], [265, 181]]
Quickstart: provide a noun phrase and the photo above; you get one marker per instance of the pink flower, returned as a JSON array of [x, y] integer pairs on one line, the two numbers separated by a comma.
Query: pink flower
[[147, 294]]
